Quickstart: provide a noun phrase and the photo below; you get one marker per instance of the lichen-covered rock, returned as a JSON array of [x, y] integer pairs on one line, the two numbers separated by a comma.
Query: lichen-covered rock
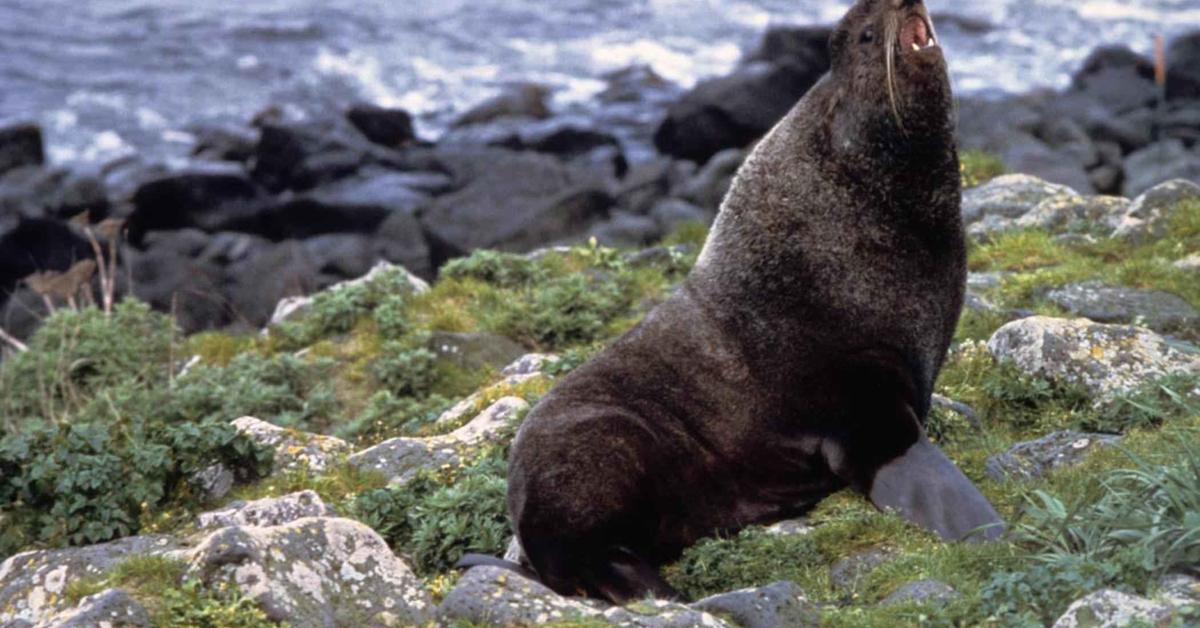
[[922, 592], [1160, 311], [1147, 218], [292, 306], [315, 572], [400, 459], [530, 364], [1069, 213], [293, 448], [1180, 591], [1009, 196], [1034, 459], [272, 511], [32, 583], [497, 597], [1190, 263], [1104, 359], [111, 608], [778, 605], [846, 573], [1113, 609], [214, 482], [463, 410]]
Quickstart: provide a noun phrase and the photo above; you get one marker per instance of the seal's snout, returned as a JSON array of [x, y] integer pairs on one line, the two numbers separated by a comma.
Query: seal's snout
[[916, 34]]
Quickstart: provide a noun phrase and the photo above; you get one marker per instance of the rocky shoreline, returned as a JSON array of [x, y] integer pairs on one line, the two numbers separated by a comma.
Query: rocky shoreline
[[286, 207]]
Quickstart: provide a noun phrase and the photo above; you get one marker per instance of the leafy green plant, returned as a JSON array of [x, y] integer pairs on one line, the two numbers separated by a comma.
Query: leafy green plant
[[405, 372], [752, 558], [565, 311], [288, 390], [979, 167], [501, 269], [388, 416]]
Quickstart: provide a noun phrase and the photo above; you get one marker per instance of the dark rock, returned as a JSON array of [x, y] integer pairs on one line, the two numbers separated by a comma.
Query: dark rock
[[805, 45], [563, 137], [673, 212], [262, 281], [985, 124], [734, 111], [1033, 459], [510, 200], [401, 240], [187, 242], [1024, 153], [710, 185], [189, 288], [475, 351], [385, 190], [846, 574], [20, 146], [779, 605], [1181, 121], [922, 592], [392, 128], [524, 100], [30, 245], [1117, 77], [52, 193], [1183, 67], [1131, 131], [226, 247], [1160, 162], [303, 156], [1107, 179], [223, 143], [206, 198], [1163, 312], [626, 230], [341, 256], [650, 182]]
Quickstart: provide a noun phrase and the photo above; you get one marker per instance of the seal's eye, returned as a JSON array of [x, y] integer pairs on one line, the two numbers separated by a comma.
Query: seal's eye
[[868, 35]]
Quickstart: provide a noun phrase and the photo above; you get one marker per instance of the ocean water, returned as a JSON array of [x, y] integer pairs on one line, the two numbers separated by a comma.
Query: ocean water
[[107, 78]]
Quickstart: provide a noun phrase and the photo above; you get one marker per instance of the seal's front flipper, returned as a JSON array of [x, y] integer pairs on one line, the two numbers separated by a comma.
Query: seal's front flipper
[[924, 486]]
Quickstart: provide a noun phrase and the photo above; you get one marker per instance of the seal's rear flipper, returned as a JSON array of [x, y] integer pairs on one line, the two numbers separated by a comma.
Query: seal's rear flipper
[[925, 487], [481, 560]]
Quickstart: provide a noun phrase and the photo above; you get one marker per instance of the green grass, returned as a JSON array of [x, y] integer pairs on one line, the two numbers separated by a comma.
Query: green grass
[[979, 167]]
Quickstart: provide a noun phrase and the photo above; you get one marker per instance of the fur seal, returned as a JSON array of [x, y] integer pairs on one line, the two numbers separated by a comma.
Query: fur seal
[[798, 357]]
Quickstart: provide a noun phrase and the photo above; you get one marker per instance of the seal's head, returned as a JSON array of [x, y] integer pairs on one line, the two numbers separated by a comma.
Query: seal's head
[[886, 53]]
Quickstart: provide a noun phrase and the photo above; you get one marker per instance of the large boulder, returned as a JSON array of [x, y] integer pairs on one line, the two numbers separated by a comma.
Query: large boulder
[[271, 511], [1117, 77], [1105, 359], [111, 608], [1072, 214], [1033, 459], [314, 572], [21, 145], [207, 198], [192, 289], [260, 282], [293, 449], [391, 128], [1159, 162], [301, 156], [1150, 214], [1161, 311], [1183, 67], [30, 245]]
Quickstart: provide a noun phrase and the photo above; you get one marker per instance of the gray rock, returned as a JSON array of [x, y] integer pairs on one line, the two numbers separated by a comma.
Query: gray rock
[[708, 188], [314, 572], [966, 412], [1147, 218], [1190, 263], [846, 574], [475, 351], [523, 100], [1009, 196], [214, 482], [464, 410], [1033, 459], [111, 608], [672, 212], [21, 145], [778, 605], [1090, 215], [1179, 590], [272, 511], [1160, 162], [294, 449], [530, 364], [626, 230], [985, 281], [53, 193], [32, 583], [1113, 609], [260, 282], [1104, 359], [1161, 311], [400, 459], [925, 591]]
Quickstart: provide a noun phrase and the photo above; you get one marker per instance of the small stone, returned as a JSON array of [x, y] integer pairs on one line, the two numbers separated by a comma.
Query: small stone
[[925, 591], [1033, 459], [1113, 609], [214, 482], [778, 605]]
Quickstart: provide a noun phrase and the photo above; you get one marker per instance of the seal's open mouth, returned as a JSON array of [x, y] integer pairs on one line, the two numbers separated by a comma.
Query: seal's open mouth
[[916, 34]]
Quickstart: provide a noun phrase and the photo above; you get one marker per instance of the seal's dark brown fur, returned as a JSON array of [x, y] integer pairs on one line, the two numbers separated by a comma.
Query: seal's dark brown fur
[[798, 357]]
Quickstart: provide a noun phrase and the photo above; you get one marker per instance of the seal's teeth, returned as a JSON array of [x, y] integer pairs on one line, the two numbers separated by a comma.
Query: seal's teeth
[[916, 47]]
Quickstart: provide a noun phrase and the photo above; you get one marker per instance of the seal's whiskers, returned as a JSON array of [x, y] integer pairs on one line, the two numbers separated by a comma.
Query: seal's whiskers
[[891, 42]]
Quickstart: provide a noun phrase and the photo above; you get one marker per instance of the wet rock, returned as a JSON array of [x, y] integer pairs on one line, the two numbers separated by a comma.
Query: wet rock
[[1089, 215], [846, 574], [288, 308], [111, 608], [272, 511], [778, 605], [1104, 359], [1161, 311], [526, 100], [21, 145], [206, 197], [1033, 459], [1183, 67], [1009, 196], [1113, 609], [392, 128], [710, 185], [1156, 163], [530, 364], [926, 591], [32, 584], [400, 459], [293, 449], [1147, 218], [475, 351], [314, 572]]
